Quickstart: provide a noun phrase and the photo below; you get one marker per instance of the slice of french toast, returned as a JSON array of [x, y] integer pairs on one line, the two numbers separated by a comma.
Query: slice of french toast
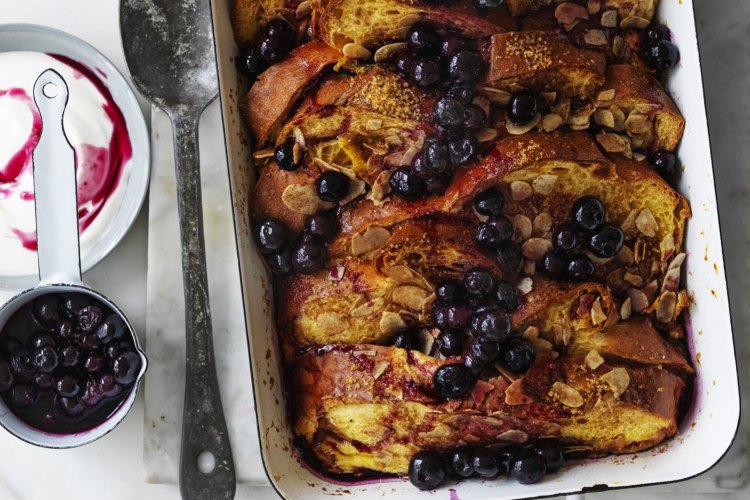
[[364, 407]]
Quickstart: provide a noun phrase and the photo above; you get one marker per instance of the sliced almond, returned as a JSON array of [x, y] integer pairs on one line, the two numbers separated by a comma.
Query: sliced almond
[[650, 290], [647, 108], [375, 237], [535, 248], [628, 225], [618, 380], [612, 143], [633, 279], [303, 199], [356, 188], [409, 296], [619, 47], [626, 309], [399, 274], [548, 97], [530, 333], [568, 12], [609, 18], [336, 273], [638, 156], [637, 124], [646, 223], [544, 184], [666, 307], [380, 188], [299, 138], [667, 246], [391, 323], [562, 108], [427, 340], [515, 129], [594, 6], [597, 313], [389, 51], [520, 190], [604, 118], [262, 154], [593, 359], [515, 395], [380, 367], [625, 255], [496, 96], [485, 134], [606, 95], [634, 23], [542, 224], [551, 121], [566, 395], [525, 286], [355, 51], [304, 9], [528, 267], [368, 308], [513, 436], [522, 228], [619, 116], [639, 300], [595, 37]]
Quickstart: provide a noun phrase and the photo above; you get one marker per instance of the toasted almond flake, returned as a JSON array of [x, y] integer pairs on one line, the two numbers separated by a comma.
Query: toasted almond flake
[[639, 300], [628, 225], [380, 367], [373, 238], [638, 156], [604, 118], [355, 51], [646, 108], [513, 436], [485, 134], [548, 97], [619, 47], [593, 359], [409, 296], [303, 199], [666, 307], [528, 268], [633, 279], [597, 313], [368, 308], [618, 380], [522, 228], [483, 103], [566, 395], [399, 274], [330, 322], [380, 188], [496, 96], [646, 223], [374, 124], [520, 190], [667, 246], [626, 309], [515, 129], [515, 395], [336, 273], [595, 37], [427, 340], [393, 140], [551, 121], [365, 352], [391, 323], [376, 148], [637, 124], [356, 188], [612, 143], [606, 95], [525, 286], [619, 116], [297, 153], [389, 51], [262, 154], [569, 12], [609, 18], [542, 345], [299, 138], [634, 23], [544, 184], [530, 333], [594, 6], [535, 248], [562, 108], [542, 224], [304, 9]]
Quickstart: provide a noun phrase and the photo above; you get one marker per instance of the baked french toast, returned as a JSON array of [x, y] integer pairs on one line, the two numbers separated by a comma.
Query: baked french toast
[[469, 212]]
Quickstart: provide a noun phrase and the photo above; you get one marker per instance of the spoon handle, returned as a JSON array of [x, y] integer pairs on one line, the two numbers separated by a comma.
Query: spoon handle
[[204, 428]]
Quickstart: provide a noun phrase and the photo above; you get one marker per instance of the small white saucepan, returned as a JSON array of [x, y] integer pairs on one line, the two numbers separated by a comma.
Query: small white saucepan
[[60, 276]]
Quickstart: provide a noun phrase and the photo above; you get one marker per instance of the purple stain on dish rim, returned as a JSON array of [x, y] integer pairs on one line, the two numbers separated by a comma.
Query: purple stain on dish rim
[[452, 495]]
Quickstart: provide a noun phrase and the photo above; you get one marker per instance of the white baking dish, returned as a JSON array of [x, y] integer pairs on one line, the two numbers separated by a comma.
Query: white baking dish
[[710, 424]]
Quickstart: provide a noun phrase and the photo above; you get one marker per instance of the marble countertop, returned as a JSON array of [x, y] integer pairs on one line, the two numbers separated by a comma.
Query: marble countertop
[[114, 464]]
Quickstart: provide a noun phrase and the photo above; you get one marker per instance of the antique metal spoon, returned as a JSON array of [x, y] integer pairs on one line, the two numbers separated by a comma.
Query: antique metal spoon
[[169, 48]]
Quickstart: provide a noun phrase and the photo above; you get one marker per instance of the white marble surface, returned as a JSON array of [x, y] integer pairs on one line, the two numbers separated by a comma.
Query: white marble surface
[[112, 467]]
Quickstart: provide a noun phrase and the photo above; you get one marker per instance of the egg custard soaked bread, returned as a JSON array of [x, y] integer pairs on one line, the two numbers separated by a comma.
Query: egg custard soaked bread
[[468, 211]]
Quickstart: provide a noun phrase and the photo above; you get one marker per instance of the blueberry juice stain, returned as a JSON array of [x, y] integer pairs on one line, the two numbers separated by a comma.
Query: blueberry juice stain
[[67, 362]]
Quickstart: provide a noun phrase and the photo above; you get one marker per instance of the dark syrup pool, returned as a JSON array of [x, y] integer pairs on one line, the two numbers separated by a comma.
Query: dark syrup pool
[[67, 362]]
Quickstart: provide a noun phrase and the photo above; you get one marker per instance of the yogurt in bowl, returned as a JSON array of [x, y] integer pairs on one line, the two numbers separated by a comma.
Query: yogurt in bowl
[[103, 124]]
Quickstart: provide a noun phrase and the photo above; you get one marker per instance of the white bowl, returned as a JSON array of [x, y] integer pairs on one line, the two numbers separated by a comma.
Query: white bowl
[[27, 37]]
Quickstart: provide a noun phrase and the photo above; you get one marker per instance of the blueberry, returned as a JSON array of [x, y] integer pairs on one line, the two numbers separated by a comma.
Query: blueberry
[[489, 203], [451, 44], [22, 395], [64, 329], [551, 453], [309, 257], [438, 183], [465, 66], [8, 344], [72, 303], [487, 4], [665, 164], [405, 62], [332, 186], [506, 456], [522, 108], [89, 342], [487, 236], [89, 318], [474, 365], [580, 268], [661, 54], [436, 155], [484, 349], [507, 297], [450, 290], [94, 363], [44, 359], [553, 264], [425, 72], [43, 381], [485, 462], [426, 470], [517, 354], [587, 213], [459, 316], [125, 368], [70, 357], [20, 363], [474, 117], [406, 340], [114, 350], [453, 381], [91, 394], [323, 225], [107, 386], [490, 323], [67, 386], [479, 282], [46, 310], [450, 344], [70, 406], [657, 32], [423, 38], [449, 112], [509, 256], [284, 155], [406, 184], [462, 92], [41, 339], [249, 62], [503, 226], [279, 28], [462, 150], [271, 235], [280, 262], [6, 376], [439, 314], [273, 49], [607, 241], [460, 462], [528, 468]]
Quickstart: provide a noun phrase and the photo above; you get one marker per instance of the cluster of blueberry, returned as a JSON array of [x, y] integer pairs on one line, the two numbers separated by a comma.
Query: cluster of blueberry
[[308, 255], [588, 230], [273, 43], [657, 48], [495, 234], [65, 356], [428, 469], [478, 307]]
